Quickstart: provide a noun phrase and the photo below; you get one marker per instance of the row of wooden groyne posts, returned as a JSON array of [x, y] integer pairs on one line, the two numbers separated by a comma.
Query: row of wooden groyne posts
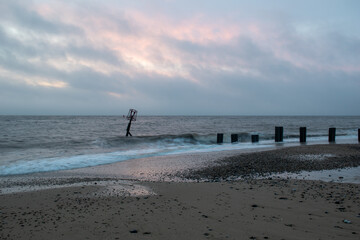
[[279, 135]]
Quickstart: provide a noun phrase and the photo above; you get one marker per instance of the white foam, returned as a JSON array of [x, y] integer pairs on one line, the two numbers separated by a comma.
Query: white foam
[[79, 161]]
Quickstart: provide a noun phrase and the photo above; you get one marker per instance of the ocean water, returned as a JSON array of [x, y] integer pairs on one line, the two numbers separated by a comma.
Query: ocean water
[[31, 144]]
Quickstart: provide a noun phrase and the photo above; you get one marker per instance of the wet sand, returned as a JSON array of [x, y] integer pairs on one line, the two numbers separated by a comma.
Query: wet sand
[[108, 207]]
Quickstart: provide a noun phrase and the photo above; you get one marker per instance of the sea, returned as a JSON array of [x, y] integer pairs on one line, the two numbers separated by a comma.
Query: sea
[[31, 144]]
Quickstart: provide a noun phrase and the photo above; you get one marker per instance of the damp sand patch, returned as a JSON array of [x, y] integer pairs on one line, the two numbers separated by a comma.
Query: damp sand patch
[[102, 187]]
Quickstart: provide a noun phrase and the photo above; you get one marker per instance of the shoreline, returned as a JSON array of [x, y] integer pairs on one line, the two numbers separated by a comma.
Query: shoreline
[[300, 160], [97, 160]]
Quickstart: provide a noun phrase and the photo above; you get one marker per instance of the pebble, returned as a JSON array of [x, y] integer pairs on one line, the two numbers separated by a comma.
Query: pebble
[[252, 165]]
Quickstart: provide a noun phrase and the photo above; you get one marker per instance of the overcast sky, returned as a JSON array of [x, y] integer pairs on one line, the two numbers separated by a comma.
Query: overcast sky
[[259, 57]]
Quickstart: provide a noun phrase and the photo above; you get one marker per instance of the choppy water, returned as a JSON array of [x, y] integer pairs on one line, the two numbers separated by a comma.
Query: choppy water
[[47, 143]]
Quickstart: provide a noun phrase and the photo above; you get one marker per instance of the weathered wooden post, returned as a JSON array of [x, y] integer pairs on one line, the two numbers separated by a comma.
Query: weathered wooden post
[[254, 138], [279, 133], [131, 117], [332, 134], [359, 134], [234, 137], [220, 138], [302, 134]]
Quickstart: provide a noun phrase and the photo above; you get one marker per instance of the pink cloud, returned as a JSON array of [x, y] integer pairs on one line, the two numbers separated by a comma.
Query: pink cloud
[[145, 50]]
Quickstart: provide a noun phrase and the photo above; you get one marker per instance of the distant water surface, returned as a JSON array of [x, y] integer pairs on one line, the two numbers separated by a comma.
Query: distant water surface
[[46, 143]]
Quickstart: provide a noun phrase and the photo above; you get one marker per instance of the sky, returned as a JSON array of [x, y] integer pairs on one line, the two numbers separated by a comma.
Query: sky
[[180, 57]]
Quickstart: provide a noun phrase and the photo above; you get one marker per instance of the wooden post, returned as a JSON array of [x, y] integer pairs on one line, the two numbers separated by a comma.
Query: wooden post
[[302, 134], [234, 138], [254, 138], [332, 134], [279, 133], [220, 138], [128, 127], [131, 117], [359, 134]]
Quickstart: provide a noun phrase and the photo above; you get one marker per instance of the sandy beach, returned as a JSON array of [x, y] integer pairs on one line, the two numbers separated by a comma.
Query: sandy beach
[[208, 204], [179, 120]]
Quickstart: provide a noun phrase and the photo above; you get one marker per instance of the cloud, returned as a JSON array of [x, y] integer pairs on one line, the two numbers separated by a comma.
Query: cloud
[[104, 59]]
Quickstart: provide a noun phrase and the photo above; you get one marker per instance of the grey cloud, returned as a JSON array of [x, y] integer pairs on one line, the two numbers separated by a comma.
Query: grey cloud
[[299, 92], [25, 99], [88, 52], [10, 45], [343, 48], [28, 19], [87, 79], [14, 56], [326, 46], [280, 88], [41, 47]]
